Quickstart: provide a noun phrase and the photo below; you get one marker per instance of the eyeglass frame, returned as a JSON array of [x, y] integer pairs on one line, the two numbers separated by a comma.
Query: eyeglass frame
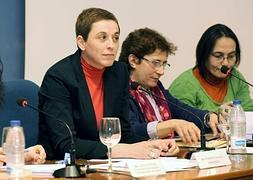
[[155, 63], [221, 57]]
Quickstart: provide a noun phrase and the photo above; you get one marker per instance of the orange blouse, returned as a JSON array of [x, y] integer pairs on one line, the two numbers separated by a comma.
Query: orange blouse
[[215, 88], [94, 78]]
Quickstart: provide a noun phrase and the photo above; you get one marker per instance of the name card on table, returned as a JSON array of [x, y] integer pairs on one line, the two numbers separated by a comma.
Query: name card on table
[[143, 168], [213, 158]]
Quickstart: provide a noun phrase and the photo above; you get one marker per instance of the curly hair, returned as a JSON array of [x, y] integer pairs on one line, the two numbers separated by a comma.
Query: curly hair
[[143, 42]]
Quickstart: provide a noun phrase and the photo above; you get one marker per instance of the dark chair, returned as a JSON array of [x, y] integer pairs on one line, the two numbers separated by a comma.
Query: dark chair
[[14, 89]]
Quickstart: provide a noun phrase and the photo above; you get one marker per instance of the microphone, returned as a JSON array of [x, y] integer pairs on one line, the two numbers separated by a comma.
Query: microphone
[[136, 86], [71, 170], [225, 70]]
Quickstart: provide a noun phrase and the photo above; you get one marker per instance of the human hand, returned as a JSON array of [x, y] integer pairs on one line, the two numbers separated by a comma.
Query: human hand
[[35, 155], [170, 147], [188, 131], [213, 124], [223, 124], [140, 150], [2, 157], [162, 147], [146, 149], [226, 108]]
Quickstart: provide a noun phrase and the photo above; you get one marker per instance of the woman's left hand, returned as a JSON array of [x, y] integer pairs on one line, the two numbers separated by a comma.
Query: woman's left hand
[[167, 147], [172, 148], [213, 123]]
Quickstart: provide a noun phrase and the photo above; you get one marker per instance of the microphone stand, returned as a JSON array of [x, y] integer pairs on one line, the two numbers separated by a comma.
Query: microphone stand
[[202, 130], [241, 80], [72, 170], [225, 70]]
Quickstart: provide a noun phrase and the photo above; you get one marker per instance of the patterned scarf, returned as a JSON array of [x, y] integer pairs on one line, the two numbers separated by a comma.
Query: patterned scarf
[[146, 106]]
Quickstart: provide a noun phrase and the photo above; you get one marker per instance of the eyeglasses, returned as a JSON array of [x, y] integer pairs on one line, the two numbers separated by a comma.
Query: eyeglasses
[[156, 63], [221, 57]]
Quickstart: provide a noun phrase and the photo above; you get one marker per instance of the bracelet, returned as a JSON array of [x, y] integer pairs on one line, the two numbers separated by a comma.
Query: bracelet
[[207, 118]]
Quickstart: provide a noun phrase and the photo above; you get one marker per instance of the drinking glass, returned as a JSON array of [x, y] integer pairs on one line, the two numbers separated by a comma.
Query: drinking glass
[[223, 125], [4, 136], [110, 134]]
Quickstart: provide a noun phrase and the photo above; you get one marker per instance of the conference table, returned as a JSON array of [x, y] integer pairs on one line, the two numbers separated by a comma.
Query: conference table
[[242, 170]]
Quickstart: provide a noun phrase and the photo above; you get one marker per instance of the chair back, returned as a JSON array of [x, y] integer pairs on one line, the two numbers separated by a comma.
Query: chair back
[[9, 110]]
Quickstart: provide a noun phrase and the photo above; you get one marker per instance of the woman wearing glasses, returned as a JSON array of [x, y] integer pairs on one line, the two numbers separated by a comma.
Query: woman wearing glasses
[[205, 86], [154, 113]]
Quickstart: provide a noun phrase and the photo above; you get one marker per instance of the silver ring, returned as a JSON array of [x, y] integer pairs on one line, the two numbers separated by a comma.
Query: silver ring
[[152, 154]]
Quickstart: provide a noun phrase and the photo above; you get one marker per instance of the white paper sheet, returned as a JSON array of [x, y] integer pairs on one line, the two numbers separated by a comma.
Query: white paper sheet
[[174, 164], [42, 168], [168, 163]]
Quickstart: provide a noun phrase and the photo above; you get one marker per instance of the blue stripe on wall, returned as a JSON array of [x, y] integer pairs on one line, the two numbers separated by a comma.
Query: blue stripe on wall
[[12, 38]]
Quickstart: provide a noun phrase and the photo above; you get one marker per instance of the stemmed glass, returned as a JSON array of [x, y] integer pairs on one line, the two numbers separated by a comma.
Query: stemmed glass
[[223, 125], [110, 134]]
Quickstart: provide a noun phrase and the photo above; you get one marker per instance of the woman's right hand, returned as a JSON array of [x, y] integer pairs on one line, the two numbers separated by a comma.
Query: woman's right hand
[[188, 131]]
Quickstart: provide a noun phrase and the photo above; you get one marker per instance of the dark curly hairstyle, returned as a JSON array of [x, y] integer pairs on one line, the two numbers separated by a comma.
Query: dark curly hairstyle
[[207, 42], [143, 42]]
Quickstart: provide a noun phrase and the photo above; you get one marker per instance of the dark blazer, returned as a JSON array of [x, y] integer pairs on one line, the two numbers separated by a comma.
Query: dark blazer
[[178, 110], [64, 94]]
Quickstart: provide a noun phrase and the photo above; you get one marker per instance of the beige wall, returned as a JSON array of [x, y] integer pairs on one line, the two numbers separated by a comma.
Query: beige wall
[[50, 28]]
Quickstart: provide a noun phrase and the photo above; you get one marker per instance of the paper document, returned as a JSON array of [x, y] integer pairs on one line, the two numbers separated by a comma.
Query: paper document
[[212, 158], [174, 164], [143, 168], [167, 163], [42, 168], [116, 166]]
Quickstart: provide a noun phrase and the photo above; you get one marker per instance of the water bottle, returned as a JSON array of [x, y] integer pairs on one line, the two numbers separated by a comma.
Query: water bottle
[[15, 146], [238, 128]]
